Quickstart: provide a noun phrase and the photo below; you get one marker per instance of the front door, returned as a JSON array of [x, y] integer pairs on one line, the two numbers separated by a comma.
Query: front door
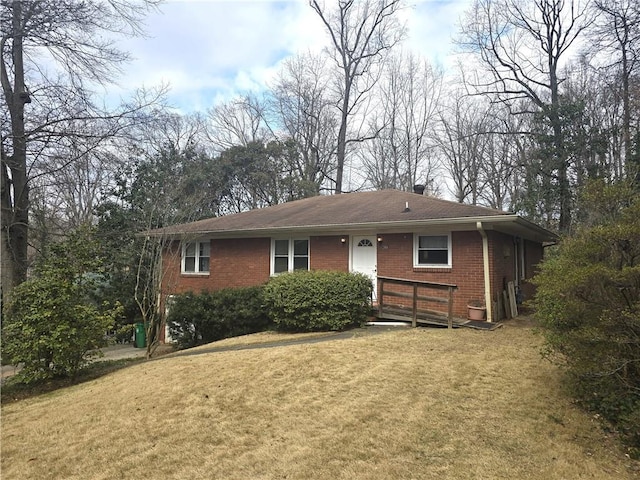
[[363, 258]]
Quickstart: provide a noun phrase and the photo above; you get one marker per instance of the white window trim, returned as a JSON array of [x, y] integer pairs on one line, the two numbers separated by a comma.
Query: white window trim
[[432, 265], [290, 253], [197, 264]]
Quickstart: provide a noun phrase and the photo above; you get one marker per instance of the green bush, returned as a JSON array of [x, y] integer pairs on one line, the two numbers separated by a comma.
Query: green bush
[[304, 301], [124, 333], [588, 305], [196, 319], [52, 324]]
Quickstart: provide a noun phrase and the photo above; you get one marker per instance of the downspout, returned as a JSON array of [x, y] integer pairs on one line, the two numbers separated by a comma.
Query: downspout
[[487, 275], [161, 305]]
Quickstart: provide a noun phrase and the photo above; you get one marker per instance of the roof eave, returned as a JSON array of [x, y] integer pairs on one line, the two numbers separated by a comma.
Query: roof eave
[[512, 224], [518, 226]]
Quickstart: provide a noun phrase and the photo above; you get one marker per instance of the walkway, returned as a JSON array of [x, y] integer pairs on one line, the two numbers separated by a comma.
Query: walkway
[[120, 352], [353, 333]]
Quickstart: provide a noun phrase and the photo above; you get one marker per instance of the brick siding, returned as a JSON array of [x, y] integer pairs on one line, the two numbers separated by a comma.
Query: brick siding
[[246, 262], [329, 253], [233, 263], [395, 259]]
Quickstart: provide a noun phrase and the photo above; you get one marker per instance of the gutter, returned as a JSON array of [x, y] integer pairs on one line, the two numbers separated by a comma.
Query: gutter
[[487, 276]]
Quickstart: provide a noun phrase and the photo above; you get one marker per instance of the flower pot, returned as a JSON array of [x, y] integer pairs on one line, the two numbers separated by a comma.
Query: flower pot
[[476, 313]]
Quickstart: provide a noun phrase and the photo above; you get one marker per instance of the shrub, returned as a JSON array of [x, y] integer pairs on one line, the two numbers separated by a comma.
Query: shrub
[[318, 300], [588, 305], [52, 325], [124, 333], [195, 319]]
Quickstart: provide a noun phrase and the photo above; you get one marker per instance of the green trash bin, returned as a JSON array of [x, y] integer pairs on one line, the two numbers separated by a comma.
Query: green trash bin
[[141, 336]]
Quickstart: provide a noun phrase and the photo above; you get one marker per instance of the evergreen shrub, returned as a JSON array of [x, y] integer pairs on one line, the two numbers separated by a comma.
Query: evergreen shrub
[[588, 306], [53, 325], [316, 300], [196, 319]]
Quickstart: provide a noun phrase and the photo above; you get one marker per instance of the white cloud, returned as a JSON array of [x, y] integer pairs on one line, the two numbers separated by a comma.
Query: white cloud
[[211, 49], [432, 25]]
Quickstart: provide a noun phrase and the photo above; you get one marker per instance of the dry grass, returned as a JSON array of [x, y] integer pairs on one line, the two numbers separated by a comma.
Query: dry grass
[[421, 404], [259, 338]]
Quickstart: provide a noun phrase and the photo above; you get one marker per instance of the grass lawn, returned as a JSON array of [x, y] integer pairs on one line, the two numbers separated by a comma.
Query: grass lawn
[[408, 404]]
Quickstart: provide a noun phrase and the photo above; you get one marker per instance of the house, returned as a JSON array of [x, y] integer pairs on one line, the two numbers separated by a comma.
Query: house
[[387, 233]]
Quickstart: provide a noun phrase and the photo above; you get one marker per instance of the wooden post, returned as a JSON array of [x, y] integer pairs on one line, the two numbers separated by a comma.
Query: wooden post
[[512, 299], [414, 320], [507, 307], [450, 311]]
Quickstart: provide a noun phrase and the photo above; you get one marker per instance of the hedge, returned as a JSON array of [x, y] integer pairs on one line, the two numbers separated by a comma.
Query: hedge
[[304, 300], [196, 319]]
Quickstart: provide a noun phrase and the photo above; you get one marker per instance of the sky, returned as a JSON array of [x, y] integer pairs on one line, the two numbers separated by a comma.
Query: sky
[[207, 51]]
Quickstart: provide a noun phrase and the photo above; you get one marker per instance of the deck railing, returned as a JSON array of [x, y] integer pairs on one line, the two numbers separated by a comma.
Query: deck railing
[[416, 285]]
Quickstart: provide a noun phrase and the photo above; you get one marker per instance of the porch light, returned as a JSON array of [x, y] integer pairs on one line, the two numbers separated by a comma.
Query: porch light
[[343, 240], [379, 239]]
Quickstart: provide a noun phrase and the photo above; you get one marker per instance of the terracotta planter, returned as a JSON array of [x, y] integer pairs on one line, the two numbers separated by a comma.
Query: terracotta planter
[[476, 313]]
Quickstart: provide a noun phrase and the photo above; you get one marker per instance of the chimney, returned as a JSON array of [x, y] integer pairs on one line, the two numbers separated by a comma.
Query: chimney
[[419, 189]]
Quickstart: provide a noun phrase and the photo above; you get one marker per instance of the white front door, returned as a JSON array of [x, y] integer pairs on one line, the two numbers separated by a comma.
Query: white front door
[[363, 258]]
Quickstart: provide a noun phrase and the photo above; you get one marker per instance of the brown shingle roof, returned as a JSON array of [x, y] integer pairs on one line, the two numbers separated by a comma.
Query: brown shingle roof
[[378, 207]]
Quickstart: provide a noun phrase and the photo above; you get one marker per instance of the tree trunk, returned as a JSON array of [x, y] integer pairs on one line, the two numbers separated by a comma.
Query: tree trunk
[[342, 139], [560, 160], [15, 187]]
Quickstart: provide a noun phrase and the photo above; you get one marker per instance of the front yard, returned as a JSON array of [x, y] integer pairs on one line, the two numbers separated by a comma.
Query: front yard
[[414, 403]]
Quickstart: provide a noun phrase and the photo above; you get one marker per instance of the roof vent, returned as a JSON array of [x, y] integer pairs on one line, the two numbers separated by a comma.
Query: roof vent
[[419, 189]]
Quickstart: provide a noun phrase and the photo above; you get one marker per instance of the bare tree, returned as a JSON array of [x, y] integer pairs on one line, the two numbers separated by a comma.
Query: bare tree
[[606, 95], [501, 166], [302, 108], [72, 194], [462, 143], [520, 46], [238, 122], [168, 129], [50, 53], [401, 153], [361, 33], [589, 131], [618, 34]]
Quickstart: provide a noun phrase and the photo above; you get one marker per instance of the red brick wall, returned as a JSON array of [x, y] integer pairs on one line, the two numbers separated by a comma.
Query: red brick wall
[[395, 259], [246, 262], [329, 253], [504, 258], [503, 261], [233, 263], [240, 262]]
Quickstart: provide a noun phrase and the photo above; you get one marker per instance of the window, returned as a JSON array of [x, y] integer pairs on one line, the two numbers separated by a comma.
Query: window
[[289, 255], [195, 257], [432, 250]]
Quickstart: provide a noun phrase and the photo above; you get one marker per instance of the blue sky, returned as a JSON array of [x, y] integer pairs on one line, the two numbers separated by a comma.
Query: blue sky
[[209, 50]]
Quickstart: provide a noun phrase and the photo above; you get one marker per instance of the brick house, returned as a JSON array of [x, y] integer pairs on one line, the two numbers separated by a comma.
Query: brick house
[[387, 233]]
